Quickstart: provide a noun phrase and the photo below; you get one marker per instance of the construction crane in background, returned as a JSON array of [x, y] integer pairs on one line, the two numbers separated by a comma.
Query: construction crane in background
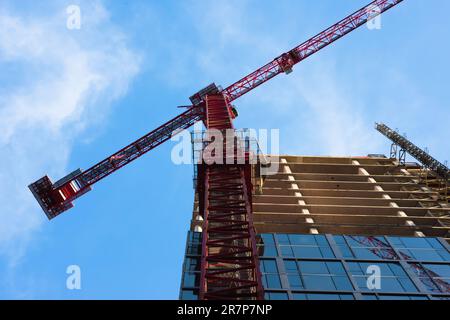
[[229, 263], [407, 146], [429, 163]]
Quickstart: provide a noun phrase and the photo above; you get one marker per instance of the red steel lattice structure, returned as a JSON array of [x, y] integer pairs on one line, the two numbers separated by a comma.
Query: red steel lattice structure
[[55, 198], [229, 263]]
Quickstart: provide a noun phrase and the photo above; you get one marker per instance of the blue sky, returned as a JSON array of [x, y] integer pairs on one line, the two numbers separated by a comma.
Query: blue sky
[[68, 98]]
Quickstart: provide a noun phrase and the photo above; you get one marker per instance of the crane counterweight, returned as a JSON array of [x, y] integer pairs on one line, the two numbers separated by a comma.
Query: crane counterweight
[[55, 198]]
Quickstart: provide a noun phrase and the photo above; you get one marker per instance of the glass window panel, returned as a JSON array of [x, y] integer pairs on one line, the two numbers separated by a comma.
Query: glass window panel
[[346, 297], [416, 243], [435, 243], [360, 241], [443, 284], [307, 252], [418, 269], [283, 239], [269, 266], [445, 255], [273, 281], [286, 251], [295, 282], [369, 297], [326, 252], [425, 255], [276, 296], [322, 240], [264, 281], [406, 254], [389, 284], [342, 283], [388, 297], [192, 264], [339, 240], [346, 252], [418, 297], [318, 282], [195, 237], [189, 295], [323, 296], [429, 284], [267, 239], [396, 242], [387, 269], [355, 268], [407, 285], [441, 270], [364, 265], [191, 279], [299, 296], [312, 267], [365, 253], [396, 269], [384, 268], [352, 242], [361, 282], [290, 266], [194, 249], [336, 268], [269, 251], [302, 239]]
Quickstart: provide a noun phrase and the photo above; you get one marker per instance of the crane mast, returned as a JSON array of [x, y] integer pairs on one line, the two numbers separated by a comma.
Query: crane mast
[[55, 198], [229, 262]]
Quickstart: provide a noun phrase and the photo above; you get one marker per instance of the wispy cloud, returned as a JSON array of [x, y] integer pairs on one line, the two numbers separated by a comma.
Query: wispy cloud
[[325, 117], [312, 105], [60, 82]]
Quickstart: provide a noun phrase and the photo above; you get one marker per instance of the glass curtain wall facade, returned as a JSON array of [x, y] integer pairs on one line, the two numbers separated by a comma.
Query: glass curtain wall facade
[[336, 267]]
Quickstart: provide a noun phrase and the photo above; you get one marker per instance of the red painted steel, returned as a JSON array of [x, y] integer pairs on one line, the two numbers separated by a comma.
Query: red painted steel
[[230, 267], [55, 199], [229, 263]]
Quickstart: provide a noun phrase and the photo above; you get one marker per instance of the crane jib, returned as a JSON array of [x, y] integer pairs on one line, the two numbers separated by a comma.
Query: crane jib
[[286, 61], [58, 197]]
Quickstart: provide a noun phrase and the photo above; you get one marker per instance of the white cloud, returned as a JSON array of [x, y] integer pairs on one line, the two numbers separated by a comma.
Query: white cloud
[[63, 81], [311, 104], [330, 116]]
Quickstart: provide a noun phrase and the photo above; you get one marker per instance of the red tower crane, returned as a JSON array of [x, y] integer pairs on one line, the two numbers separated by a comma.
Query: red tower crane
[[229, 267]]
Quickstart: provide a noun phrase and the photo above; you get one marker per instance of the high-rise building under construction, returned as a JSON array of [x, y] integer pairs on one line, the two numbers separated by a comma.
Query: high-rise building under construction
[[326, 225], [348, 228]]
